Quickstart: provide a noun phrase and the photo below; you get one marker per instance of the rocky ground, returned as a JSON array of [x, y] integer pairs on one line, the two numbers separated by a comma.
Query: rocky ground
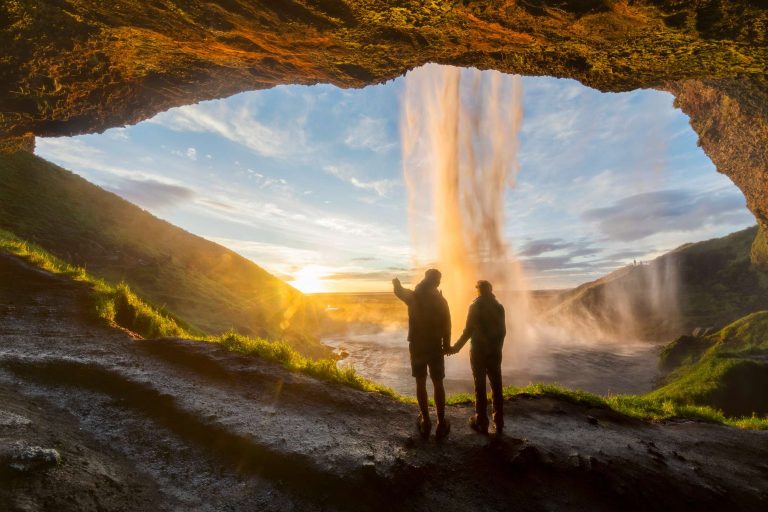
[[93, 419]]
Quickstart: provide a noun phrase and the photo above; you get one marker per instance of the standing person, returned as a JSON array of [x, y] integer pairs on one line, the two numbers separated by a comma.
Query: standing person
[[486, 325], [429, 339]]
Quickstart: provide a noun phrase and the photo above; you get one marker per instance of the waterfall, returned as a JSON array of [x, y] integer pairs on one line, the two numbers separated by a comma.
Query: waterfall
[[459, 131]]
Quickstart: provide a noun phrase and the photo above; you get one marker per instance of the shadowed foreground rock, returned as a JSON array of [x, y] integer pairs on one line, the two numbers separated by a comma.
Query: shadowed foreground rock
[[179, 425]]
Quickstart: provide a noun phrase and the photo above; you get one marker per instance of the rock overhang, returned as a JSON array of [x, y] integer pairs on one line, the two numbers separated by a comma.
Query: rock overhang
[[81, 66]]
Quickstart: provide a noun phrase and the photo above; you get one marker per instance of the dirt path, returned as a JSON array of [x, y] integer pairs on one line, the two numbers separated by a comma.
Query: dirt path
[[184, 425]]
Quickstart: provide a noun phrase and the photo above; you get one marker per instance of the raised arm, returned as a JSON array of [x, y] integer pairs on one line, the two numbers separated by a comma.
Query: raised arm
[[404, 294]]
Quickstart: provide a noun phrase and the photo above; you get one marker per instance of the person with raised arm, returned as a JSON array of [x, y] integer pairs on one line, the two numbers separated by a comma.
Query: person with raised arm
[[429, 339]]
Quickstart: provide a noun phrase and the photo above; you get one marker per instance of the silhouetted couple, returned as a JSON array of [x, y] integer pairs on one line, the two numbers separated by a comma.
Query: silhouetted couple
[[429, 341]]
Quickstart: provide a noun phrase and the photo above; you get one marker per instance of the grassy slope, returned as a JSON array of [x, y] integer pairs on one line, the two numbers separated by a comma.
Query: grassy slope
[[211, 287], [118, 306], [727, 370], [717, 285]]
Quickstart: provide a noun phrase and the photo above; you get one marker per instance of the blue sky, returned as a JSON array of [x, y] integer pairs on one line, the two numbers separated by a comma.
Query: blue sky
[[307, 181]]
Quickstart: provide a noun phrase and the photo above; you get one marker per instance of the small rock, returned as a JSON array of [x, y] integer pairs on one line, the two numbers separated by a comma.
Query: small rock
[[592, 420], [574, 459], [9, 419], [21, 457]]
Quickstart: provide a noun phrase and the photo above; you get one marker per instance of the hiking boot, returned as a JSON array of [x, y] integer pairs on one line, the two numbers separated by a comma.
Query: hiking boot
[[478, 425], [424, 425], [442, 430]]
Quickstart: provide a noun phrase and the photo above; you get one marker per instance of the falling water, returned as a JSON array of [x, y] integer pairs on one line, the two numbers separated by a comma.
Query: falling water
[[460, 140], [460, 131]]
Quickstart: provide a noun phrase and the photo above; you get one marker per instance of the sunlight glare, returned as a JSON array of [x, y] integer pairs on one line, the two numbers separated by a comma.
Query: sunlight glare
[[309, 279]]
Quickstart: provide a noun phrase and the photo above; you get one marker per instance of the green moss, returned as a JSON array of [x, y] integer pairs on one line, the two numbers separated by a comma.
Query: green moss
[[745, 333], [683, 350]]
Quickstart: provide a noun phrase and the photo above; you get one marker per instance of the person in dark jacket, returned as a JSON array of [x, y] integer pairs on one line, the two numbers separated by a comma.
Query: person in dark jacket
[[486, 326], [429, 339]]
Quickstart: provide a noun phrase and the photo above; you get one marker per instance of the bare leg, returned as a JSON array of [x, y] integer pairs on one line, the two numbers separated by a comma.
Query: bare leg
[[439, 399], [422, 397]]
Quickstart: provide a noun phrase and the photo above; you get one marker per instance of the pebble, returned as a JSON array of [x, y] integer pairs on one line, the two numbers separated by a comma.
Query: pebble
[[21, 457]]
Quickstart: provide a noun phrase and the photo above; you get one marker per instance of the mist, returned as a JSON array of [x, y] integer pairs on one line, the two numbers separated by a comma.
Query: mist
[[460, 138]]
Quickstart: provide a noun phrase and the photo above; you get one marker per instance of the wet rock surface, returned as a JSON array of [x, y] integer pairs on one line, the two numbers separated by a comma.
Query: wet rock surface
[[181, 425]]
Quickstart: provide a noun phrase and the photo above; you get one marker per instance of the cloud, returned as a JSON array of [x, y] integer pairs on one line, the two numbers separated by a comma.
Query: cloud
[[151, 193], [537, 247], [190, 153], [93, 163], [544, 263], [120, 134], [642, 215], [262, 252], [237, 124], [374, 275], [370, 134], [625, 255], [380, 187]]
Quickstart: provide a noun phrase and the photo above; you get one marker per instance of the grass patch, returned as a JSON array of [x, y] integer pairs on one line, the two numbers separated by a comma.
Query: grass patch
[[117, 304], [282, 353], [730, 375], [634, 406]]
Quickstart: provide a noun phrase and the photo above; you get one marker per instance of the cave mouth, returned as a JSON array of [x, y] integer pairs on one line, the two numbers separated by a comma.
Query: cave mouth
[[278, 175]]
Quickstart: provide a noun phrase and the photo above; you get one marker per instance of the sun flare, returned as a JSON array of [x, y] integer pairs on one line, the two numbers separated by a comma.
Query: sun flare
[[309, 280]]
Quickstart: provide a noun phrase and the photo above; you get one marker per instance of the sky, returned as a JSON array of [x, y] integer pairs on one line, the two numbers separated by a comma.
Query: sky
[[306, 181]]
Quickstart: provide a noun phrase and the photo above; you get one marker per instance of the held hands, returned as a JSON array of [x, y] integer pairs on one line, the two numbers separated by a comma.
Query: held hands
[[452, 350]]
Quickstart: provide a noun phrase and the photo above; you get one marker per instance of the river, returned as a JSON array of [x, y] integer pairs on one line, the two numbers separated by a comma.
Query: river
[[602, 368]]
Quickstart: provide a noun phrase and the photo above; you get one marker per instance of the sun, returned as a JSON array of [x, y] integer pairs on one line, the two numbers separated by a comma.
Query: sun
[[309, 279]]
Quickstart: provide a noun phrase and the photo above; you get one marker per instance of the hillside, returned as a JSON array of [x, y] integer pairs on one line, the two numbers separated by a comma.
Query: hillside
[[208, 286], [727, 370], [706, 284]]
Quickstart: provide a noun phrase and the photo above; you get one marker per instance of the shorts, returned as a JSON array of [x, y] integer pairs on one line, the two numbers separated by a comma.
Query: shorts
[[434, 362]]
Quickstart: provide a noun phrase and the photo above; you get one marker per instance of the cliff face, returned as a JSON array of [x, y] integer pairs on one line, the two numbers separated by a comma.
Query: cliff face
[[77, 66]]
